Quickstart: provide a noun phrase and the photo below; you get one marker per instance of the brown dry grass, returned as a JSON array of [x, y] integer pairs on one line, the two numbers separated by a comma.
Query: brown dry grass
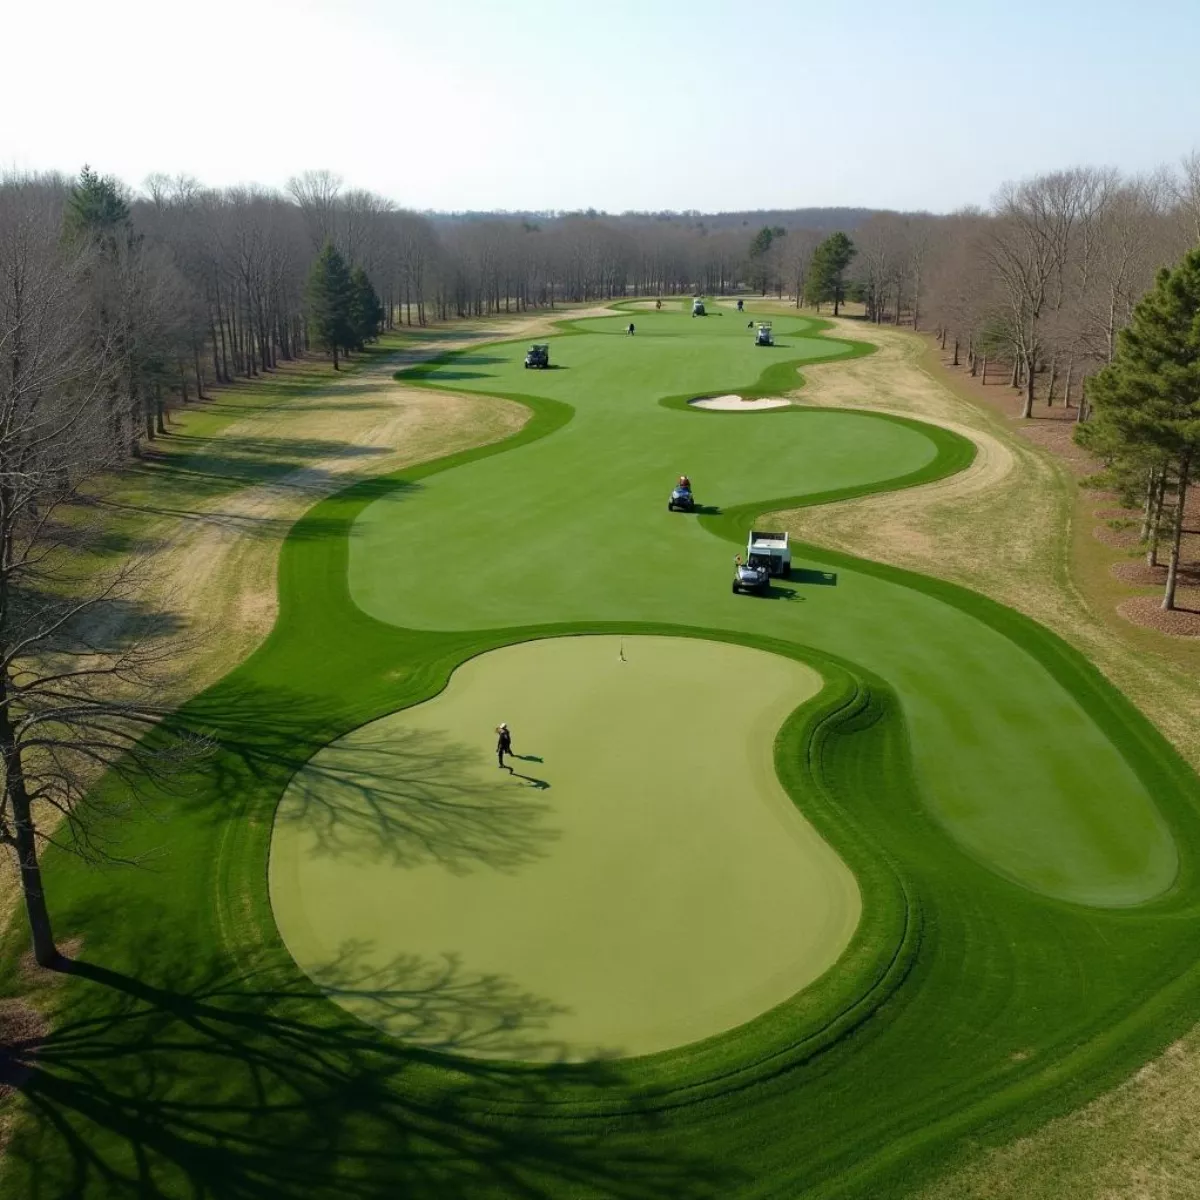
[[216, 569]]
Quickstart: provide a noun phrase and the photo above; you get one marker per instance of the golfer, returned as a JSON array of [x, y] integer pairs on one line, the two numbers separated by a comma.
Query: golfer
[[503, 743], [631, 329]]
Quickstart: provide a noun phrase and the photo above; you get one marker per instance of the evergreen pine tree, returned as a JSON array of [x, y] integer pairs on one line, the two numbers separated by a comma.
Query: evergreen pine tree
[[1148, 397], [96, 209], [330, 299], [366, 312], [827, 275]]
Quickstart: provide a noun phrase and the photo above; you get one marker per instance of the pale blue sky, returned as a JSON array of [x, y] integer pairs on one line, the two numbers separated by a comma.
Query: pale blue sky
[[624, 104]]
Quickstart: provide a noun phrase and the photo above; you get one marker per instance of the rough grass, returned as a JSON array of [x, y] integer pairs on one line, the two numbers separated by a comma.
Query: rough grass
[[190, 1057]]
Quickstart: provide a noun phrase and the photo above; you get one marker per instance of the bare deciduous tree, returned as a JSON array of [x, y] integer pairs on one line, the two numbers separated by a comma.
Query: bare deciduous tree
[[71, 704]]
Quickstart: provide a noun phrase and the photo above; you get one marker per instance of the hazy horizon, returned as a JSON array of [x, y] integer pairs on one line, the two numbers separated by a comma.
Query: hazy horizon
[[628, 107]]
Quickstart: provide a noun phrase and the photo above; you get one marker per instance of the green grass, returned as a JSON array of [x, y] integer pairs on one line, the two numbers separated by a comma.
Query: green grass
[[546, 891], [958, 748]]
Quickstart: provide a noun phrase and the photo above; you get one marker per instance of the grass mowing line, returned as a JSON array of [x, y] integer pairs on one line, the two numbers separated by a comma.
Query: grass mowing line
[[722, 1144]]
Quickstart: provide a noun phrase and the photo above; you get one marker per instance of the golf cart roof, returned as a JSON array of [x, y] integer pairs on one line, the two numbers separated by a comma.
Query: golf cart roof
[[540, 346], [764, 324]]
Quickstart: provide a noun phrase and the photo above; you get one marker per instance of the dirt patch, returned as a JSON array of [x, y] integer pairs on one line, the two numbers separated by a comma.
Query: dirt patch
[[1143, 575], [1119, 539], [22, 1031], [1059, 437], [1182, 621], [30, 973]]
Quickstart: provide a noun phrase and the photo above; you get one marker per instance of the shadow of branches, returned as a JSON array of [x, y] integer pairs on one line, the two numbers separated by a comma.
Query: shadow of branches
[[234, 1085], [409, 796], [441, 1006]]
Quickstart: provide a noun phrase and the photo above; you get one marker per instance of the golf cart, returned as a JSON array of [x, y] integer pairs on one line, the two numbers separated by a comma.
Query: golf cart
[[698, 307], [771, 551], [751, 576], [538, 355], [764, 337], [681, 499]]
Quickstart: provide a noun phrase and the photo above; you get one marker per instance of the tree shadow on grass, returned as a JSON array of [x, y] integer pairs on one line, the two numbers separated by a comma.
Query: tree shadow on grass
[[440, 1006], [233, 1084], [313, 483], [390, 794]]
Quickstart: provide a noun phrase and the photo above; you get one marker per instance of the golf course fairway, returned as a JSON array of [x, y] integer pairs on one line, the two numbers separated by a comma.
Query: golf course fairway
[[1009, 762], [638, 876], [806, 894]]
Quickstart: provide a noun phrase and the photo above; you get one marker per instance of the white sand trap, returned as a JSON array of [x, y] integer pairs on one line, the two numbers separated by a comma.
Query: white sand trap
[[734, 403]]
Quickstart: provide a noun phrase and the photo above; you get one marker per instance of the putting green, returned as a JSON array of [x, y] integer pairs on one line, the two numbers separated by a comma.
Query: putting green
[[639, 881]]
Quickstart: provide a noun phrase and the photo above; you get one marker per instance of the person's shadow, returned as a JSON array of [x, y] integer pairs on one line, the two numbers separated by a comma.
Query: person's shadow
[[541, 784]]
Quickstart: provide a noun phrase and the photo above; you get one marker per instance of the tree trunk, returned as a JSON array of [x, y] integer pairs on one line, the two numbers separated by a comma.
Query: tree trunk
[[984, 363], [1070, 378], [212, 338], [1027, 408], [1177, 532], [335, 357], [1155, 523], [1148, 504], [45, 952], [955, 362]]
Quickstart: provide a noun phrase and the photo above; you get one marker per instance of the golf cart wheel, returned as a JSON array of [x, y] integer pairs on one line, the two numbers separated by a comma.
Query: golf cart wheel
[[735, 589], [670, 506]]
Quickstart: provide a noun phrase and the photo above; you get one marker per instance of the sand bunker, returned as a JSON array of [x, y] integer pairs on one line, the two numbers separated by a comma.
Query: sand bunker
[[732, 403]]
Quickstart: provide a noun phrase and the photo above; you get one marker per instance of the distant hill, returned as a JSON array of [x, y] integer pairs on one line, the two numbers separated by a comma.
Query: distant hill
[[792, 218], [820, 219]]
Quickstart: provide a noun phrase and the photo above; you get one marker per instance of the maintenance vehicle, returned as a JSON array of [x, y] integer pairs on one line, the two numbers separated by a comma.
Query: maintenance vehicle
[[771, 551], [764, 336], [538, 355], [698, 307]]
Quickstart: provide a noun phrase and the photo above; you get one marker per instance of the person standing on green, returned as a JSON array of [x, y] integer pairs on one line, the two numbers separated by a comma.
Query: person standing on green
[[503, 743]]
